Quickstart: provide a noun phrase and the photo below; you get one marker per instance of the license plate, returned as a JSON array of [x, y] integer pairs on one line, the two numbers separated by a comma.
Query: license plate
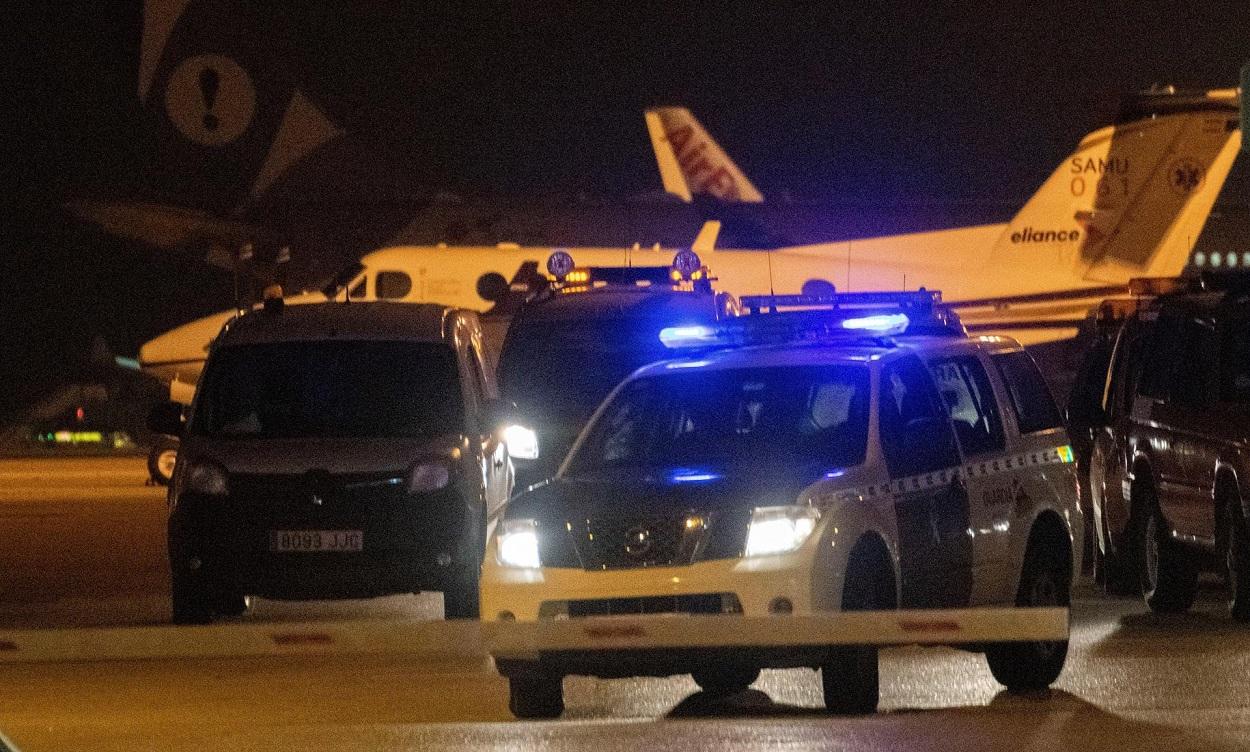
[[316, 540]]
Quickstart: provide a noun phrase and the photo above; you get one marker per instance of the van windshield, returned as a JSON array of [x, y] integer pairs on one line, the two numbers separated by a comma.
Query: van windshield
[[340, 389], [748, 419]]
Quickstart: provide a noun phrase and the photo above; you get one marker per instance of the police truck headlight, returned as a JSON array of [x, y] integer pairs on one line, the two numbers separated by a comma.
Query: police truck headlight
[[518, 544], [207, 478], [522, 442], [780, 530], [425, 477]]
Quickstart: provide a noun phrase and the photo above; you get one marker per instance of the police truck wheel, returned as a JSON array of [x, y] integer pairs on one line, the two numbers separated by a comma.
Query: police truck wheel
[[1237, 557], [534, 694], [850, 674], [725, 680], [1168, 572], [161, 459], [191, 601], [1045, 580]]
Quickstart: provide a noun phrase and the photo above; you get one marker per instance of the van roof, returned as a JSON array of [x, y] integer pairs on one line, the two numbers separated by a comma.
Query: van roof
[[411, 322]]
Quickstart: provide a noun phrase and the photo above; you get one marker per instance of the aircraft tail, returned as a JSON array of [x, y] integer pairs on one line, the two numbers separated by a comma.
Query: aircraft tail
[[691, 162], [227, 114], [1133, 197]]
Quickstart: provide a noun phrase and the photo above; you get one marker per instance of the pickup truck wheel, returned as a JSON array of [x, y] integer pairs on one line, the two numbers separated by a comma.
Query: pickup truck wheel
[[1045, 580], [725, 680], [1169, 573], [850, 674], [1113, 575], [535, 694], [1237, 557]]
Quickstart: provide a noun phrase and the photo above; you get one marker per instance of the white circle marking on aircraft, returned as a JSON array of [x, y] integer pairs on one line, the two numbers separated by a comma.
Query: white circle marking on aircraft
[[210, 99]]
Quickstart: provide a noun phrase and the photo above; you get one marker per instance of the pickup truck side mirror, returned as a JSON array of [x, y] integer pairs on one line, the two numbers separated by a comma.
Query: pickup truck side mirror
[[167, 418], [497, 414]]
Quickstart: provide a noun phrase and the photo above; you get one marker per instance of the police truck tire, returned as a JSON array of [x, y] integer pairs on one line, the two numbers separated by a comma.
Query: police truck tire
[[725, 680], [1169, 572], [535, 694], [191, 601], [161, 459], [1045, 580], [1237, 557], [850, 675]]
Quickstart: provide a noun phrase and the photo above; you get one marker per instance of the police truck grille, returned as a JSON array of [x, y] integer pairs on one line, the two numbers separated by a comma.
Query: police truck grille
[[625, 542]]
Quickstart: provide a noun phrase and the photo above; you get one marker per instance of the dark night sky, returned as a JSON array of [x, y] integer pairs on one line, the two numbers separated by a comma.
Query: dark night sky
[[876, 101]]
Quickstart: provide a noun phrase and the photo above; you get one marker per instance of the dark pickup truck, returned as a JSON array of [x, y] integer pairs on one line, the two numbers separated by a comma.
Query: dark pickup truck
[[1169, 465]]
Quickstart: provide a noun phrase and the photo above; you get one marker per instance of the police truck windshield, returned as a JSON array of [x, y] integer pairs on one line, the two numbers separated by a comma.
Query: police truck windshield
[[748, 419], [331, 390]]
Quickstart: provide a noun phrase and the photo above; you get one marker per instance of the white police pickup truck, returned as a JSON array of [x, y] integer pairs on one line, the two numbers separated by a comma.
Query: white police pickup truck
[[728, 510]]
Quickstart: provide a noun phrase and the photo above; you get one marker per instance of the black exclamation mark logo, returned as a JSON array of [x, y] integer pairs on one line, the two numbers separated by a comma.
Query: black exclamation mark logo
[[209, 82]]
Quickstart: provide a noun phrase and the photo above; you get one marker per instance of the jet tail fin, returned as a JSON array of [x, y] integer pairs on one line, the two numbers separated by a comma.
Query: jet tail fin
[[691, 162], [1133, 197]]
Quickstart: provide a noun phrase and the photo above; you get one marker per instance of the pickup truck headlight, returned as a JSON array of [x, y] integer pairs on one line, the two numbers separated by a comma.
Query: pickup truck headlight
[[522, 442], [518, 544], [780, 530]]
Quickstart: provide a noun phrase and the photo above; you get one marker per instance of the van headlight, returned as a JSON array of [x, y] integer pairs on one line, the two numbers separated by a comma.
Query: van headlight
[[207, 478], [518, 544], [522, 442], [425, 477], [780, 530]]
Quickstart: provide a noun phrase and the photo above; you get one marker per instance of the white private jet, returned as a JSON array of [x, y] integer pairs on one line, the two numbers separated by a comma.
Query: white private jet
[[1130, 201]]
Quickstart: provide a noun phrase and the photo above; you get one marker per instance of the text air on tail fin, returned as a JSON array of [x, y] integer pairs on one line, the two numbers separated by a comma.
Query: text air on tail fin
[[691, 163], [1133, 197]]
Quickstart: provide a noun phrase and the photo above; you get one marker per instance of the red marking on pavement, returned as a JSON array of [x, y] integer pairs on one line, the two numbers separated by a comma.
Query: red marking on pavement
[[289, 639], [601, 633], [928, 626], [6, 645]]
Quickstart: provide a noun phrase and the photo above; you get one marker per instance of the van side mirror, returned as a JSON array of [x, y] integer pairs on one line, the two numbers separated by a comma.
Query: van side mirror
[[497, 414], [167, 418]]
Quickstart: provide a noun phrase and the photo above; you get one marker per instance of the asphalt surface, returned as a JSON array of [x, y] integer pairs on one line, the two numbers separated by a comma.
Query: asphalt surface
[[81, 544]]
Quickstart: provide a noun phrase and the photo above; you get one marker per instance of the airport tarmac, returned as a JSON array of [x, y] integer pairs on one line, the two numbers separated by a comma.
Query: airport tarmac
[[81, 544]]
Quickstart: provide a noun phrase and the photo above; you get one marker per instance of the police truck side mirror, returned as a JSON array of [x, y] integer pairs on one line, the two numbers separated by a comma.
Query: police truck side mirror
[[167, 418]]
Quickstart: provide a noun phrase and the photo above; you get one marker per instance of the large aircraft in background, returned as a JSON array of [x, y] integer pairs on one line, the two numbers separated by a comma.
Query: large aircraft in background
[[1128, 202]]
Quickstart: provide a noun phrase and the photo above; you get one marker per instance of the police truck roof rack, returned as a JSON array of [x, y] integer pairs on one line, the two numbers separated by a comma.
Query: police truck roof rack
[[686, 274], [915, 312], [870, 316]]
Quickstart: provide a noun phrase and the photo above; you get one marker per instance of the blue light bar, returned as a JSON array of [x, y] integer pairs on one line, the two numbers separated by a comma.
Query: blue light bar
[[690, 335], [882, 323]]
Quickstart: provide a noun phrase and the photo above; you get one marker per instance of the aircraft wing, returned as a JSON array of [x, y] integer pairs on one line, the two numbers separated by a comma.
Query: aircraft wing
[[166, 227], [1055, 310]]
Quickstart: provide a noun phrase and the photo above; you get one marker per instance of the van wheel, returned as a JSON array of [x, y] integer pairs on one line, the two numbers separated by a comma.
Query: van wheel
[[161, 459], [1045, 580], [725, 680], [1168, 572], [460, 595], [1237, 558], [535, 694], [191, 601], [850, 675]]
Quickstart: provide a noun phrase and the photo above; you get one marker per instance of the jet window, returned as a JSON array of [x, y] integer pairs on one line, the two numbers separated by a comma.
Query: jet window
[[392, 285]]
